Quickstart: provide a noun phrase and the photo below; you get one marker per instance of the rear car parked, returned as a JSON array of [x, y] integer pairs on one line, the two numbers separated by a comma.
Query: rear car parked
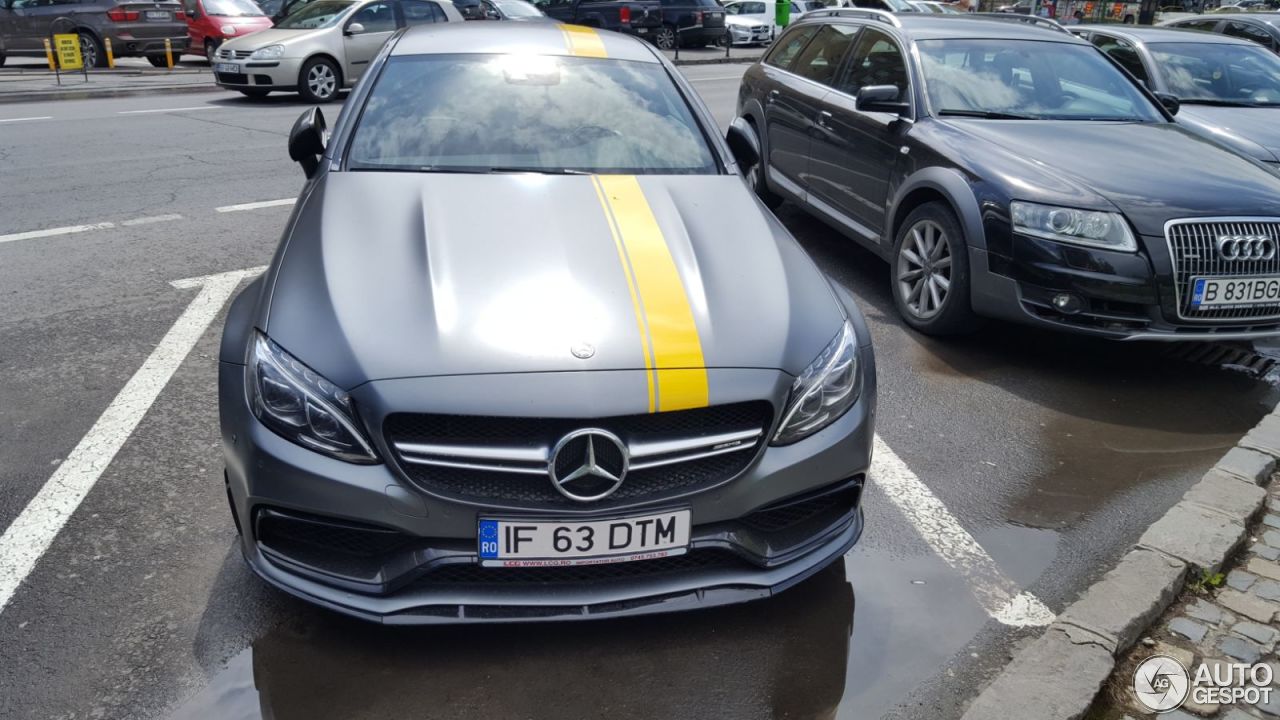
[[136, 29], [1012, 171], [691, 23], [211, 22], [632, 17]]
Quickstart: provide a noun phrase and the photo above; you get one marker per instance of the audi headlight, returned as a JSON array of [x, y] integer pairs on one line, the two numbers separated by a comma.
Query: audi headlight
[[824, 391], [1093, 228], [270, 52], [298, 404]]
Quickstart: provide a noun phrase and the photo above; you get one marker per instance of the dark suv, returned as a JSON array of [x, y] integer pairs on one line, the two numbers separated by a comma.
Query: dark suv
[[1010, 170], [136, 28]]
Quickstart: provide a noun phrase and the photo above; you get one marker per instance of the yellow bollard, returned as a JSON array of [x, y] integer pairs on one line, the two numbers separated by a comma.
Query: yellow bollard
[[48, 54], [168, 52], [111, 58]]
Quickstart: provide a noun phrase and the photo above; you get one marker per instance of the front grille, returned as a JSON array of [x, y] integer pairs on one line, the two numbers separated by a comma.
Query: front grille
[[428, 447], [229, 54], [233, 78], [1193, 248], [692, 561]]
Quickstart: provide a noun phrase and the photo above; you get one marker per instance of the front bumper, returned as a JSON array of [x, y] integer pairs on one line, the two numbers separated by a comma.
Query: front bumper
[[261, 75], [751, 34], [746, 542], [1121, 296]]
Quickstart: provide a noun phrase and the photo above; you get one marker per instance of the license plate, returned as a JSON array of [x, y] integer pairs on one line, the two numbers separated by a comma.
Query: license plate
[[1235, 292], [527, 543], [227, 68], [642, 31], [158, 15]]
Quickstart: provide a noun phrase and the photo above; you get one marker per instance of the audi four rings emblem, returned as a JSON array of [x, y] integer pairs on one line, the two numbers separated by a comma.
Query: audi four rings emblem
[[588, 464], [1246, 247]]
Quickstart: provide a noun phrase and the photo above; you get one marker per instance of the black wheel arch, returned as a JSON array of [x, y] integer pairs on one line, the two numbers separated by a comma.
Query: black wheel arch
[[936, 184]]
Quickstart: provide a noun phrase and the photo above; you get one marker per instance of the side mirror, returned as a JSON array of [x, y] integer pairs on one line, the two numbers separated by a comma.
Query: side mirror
[[306, 141], [743, 144], [355, 29], [881, 98], [1170, 102]]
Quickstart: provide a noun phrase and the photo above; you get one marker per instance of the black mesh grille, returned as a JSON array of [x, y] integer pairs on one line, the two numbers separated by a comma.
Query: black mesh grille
[[233, 78], [536, 490], [790, 513], [1195, 252], [282, 531], [695, 560]]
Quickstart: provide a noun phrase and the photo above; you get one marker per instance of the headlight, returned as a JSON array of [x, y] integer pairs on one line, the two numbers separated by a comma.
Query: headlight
[[824, 391], [295, 402], [1094, 228], [270, 52], [231, 30]]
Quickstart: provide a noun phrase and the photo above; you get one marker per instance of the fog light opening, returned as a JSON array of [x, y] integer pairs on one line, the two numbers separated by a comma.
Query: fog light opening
[[1067, 304]]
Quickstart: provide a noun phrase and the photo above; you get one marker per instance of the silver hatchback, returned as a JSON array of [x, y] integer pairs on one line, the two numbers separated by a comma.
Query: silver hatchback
[[322, 48]]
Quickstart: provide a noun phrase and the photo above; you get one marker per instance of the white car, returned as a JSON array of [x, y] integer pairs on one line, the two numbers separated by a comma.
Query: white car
[[321, 48], [744, 30], [766, 10]]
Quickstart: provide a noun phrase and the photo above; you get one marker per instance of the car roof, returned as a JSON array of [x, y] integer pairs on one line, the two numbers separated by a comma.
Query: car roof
[[1265, 18], [501, 38], [939, 26], [1164, 34]]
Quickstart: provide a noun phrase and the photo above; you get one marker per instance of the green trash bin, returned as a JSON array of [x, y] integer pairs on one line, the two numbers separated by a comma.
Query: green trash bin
[[782, 13]]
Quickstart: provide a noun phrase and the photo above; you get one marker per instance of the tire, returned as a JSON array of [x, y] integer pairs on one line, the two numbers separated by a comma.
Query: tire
[[932, 293], [319, 81], [160, 61], [756, 180], [210, 50], [255, 94], [1, 59], [91, 50], [665, 38]]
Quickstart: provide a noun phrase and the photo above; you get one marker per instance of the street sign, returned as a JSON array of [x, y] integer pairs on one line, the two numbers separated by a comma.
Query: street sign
[[67, 46]]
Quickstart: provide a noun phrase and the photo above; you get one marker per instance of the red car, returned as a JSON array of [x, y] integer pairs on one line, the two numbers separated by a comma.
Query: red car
[[210, 22]]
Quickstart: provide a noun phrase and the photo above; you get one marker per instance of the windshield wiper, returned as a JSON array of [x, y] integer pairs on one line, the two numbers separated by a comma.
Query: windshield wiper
[[541, 171], [1215, 102], [986, 114]]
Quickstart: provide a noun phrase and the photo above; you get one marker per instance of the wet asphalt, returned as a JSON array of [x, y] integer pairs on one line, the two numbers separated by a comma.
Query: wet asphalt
[[1053, 451]]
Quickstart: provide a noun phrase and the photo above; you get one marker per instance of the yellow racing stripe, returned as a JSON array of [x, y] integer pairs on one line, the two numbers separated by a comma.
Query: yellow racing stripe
[[673, 349], [584, 41]]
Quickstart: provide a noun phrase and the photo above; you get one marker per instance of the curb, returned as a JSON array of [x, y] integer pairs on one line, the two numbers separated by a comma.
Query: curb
[[1058, 675], [90, 93]]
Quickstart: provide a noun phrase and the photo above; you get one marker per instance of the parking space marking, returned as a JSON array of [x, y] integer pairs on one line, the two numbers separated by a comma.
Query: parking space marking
[[50, 232], [165, 110], [35, 528], [256, 205], [995, 592], [151, 219], [27, 119]]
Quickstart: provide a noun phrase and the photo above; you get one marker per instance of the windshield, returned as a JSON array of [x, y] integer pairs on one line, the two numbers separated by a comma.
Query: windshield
[[232, 8], [324, 13], [1028, 80], [1217, 73], [495, 113], [517, 8]]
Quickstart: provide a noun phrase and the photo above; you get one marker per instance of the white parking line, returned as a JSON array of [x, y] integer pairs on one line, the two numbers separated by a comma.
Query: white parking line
[[34, 530], [27, 119], [995, 592], [256, 205], [151, 219], [50, 232], [165, 110]]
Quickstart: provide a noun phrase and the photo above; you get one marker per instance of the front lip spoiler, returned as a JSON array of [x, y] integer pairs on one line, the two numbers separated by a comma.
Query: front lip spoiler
[[738, 588], [1200, 336]]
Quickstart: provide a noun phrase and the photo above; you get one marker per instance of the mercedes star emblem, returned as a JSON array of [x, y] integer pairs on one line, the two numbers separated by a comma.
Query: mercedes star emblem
[[588, 464]]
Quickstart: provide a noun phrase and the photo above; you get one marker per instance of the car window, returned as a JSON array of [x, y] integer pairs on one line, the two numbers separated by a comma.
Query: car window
[[788, 46], [1124, 53], [375, 17], [1219, 73], [322, 13], [1248, 31], [514, 9], [752, 8], [231, 8], [476, 112], [820, 60], [418, 12], [1202, 25], [1028, 80], [876, 61]]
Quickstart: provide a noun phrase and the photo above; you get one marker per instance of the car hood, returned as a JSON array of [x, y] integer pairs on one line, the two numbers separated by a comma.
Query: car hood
[[1253, 131], [1152, 172], [272, 36], [390, 275]]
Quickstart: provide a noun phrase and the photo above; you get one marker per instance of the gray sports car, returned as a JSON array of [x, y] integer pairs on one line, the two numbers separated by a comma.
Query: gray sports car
[[530, 349]]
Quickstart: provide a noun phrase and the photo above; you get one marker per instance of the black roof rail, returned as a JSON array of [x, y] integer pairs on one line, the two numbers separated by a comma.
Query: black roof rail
[[864, 13], [1028, 19]]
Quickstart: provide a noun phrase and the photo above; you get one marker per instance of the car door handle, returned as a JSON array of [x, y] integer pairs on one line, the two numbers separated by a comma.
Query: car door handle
[[823, 117]]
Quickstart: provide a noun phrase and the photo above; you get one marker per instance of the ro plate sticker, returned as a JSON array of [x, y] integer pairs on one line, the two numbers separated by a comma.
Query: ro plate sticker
[[1197, 294], [488, 538]]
